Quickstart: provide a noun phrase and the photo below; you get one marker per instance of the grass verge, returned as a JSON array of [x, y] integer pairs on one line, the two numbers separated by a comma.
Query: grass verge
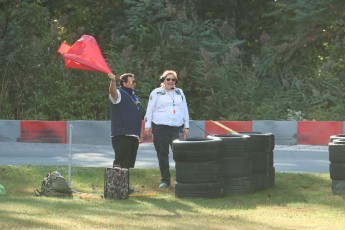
[[298, 201]]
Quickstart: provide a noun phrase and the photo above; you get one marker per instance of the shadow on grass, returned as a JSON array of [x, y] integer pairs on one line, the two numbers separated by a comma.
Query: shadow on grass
[[290, 188], [53, 213]]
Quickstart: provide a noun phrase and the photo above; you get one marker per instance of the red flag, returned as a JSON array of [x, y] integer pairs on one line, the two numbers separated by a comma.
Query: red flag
[[84, 54], [63, 48]]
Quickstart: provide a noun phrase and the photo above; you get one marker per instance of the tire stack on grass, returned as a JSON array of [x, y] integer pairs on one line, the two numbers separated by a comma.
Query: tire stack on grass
[[336, 152], [261, 146], [237, 163], [199, 170]]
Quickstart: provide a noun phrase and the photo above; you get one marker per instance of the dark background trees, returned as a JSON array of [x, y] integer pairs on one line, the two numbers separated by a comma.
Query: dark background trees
[[236, 60]]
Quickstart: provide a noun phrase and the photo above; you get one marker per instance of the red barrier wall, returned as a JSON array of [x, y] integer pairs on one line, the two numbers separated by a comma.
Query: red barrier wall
[[43, 131], [238, 126], [317, 132], [147, 138]]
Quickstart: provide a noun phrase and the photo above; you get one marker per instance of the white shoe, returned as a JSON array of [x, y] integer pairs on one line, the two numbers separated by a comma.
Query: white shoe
[[163, 185]]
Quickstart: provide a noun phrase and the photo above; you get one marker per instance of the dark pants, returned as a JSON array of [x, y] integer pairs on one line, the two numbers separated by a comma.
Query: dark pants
[[125, 148], [163, 136]]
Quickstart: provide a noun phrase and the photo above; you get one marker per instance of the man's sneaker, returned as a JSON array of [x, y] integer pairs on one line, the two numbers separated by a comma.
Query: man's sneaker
[[163, 185]]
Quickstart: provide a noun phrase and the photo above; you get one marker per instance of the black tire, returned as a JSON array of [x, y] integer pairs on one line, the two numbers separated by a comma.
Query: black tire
[[340, 141], [234, 144], [336, 151], [338, 187], [237, 166], [197, 144], [271, 160], [198, 177], [239, 185], [261, 161], [260, 142], [197, 149], [261, 181], [199, 172], [202, 190], [272, 177], [338, 136], [199, 166], [337, 171]]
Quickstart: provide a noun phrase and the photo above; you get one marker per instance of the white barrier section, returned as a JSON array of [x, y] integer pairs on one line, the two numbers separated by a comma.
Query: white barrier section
[[285, 132], [197, 128], [9, 131], [98, 132], [90, 132]]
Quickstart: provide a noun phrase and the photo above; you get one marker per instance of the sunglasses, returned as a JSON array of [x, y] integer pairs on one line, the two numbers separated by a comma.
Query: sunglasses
[[132, 82], [168, 79]]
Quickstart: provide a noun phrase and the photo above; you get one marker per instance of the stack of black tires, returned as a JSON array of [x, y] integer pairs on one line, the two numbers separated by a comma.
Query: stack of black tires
[[237, 162], [261, 146], [224, 164], [336, 152], [199, 168]]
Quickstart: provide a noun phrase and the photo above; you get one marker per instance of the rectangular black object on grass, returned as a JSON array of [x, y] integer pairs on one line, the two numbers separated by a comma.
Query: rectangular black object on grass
[[116, 183]]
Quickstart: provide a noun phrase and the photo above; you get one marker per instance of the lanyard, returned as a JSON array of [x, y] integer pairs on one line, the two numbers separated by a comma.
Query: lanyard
[[172, 98], [136, 101]]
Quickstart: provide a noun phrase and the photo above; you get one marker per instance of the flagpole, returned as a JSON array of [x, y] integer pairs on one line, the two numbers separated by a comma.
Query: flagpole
[[70, 156]]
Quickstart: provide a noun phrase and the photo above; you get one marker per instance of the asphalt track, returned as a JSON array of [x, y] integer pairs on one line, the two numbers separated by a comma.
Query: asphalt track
[[291, 159]]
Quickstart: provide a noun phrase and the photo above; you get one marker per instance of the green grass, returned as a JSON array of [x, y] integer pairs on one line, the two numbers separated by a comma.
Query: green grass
[[298, 201]]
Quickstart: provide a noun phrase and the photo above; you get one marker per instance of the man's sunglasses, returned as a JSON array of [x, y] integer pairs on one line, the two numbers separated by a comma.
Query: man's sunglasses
[[168, 79], [132, 82]]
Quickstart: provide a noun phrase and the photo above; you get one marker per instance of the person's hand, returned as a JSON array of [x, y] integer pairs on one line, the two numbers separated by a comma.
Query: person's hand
[[186, 132], [142, 135], [112, 76]]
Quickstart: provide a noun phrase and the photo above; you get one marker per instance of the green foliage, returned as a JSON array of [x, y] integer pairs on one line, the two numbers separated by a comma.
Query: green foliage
[[235, 60], [295, 115]]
